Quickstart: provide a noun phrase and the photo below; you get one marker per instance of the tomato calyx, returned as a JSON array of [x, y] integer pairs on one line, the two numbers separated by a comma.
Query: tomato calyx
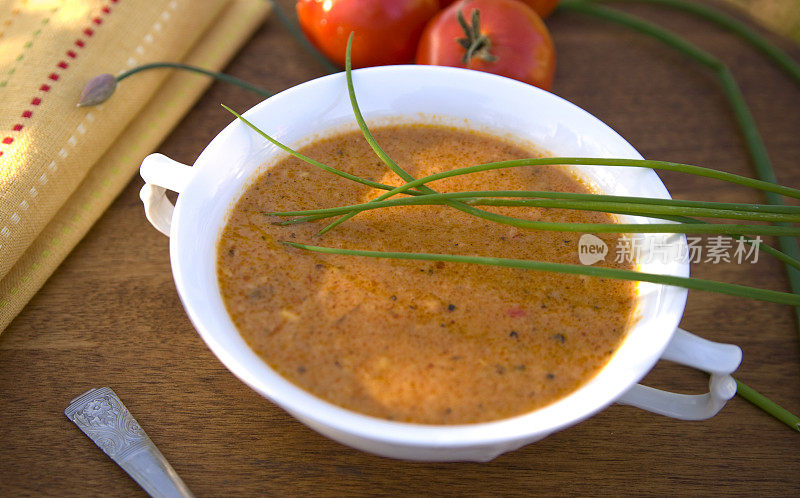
[[476, 43]]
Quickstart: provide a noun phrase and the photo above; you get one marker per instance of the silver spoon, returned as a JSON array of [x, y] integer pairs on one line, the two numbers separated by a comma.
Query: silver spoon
[[100, 414]]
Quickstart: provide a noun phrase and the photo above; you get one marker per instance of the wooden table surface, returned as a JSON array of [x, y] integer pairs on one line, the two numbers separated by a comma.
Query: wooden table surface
[[110, 316]]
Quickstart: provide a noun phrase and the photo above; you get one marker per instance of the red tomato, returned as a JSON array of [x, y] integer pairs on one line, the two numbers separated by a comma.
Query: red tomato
[[513, 41], [542, 7], [386, 31]]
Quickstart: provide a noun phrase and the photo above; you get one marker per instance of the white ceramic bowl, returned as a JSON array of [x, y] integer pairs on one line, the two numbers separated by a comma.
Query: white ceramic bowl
[[456, 96]]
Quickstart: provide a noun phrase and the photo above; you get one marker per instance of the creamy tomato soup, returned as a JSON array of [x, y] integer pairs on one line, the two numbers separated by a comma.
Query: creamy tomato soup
[[417, 341]]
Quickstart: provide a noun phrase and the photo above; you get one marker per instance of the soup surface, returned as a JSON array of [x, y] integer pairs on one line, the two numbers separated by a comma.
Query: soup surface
[[418, 341]]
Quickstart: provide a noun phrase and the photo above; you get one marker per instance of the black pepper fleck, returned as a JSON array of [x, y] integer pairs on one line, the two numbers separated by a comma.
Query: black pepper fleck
[[393, 297], [451, 307], [550, 376], [514, 334], [559, 338], [301, 369]]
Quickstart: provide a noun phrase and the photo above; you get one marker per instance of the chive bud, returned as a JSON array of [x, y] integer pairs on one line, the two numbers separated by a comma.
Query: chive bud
[[98, 90]]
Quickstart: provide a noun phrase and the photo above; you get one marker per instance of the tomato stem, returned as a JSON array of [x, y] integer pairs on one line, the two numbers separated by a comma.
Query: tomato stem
[[476, 43]]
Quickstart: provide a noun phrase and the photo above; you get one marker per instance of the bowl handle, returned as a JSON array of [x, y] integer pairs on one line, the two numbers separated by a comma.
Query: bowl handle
[[719, 360], [160, 174]]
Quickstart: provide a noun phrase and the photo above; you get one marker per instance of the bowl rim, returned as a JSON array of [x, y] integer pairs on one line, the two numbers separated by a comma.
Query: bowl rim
[[311, 409]]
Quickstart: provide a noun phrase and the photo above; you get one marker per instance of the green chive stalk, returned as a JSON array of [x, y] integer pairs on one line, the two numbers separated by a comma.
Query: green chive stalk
[[586, 202], [630, 208], [696, 228], [604, 161], [769, 50], [382, 154], [195, 69], [769, 406], [590, 271], [699, 228], [103, 86], [313, 162], [783, 257]]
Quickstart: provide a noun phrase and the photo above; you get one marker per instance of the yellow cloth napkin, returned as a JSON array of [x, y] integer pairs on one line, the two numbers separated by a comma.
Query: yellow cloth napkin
[[62, 166], [781, 16]]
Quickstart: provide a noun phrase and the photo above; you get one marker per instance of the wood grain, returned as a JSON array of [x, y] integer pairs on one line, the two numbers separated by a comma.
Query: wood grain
[[110, 316]]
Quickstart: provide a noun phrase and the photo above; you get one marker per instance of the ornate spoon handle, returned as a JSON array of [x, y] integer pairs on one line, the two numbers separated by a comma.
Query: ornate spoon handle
[[100, 414]]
